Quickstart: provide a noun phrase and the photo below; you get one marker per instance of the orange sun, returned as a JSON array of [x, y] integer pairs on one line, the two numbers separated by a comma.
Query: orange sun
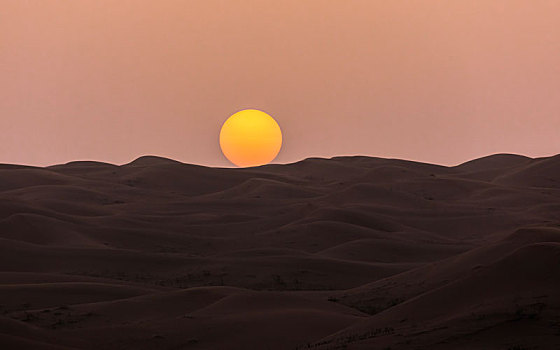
[[250, 138]]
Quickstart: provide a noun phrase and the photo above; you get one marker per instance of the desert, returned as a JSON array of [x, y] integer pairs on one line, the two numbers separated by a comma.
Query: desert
[[341, 253]]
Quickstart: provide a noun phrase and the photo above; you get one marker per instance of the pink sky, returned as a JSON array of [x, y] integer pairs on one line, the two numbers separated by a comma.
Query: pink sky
[[435, 81]]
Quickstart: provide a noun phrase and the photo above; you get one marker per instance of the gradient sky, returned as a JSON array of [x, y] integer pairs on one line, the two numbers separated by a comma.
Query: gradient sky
[[435, 81]]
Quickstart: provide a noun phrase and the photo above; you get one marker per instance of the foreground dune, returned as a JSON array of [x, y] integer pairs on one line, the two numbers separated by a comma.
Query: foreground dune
[[341, 253]]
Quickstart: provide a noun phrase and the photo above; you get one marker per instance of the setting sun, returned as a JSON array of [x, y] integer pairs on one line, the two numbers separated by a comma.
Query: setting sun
[[250, 138]]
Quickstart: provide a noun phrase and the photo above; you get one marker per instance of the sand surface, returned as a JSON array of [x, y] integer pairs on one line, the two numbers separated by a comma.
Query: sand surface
[[341, 253]]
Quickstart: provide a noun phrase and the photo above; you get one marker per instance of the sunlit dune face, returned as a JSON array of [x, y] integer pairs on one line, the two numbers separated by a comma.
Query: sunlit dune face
[[250, 138]]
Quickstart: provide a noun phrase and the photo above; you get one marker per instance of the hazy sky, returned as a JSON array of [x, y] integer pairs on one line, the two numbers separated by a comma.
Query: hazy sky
[[430, 80]]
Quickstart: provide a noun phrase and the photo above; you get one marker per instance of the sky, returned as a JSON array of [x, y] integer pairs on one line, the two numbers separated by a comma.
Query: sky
[[427, 80]]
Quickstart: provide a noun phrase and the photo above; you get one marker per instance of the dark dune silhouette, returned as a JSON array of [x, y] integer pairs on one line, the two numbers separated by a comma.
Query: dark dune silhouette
[[341, 253]]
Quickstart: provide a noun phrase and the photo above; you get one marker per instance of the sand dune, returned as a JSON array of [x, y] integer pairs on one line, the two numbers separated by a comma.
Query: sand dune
[[348, 252], [521, 287]]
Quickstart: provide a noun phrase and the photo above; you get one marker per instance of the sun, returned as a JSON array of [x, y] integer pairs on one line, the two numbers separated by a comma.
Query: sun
[[250, 138]]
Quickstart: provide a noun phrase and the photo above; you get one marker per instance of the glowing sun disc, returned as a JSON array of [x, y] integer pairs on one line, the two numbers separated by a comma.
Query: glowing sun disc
[[250, 138]]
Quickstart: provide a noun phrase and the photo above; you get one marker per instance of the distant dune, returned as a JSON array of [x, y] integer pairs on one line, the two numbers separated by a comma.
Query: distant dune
[[341, 253]]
